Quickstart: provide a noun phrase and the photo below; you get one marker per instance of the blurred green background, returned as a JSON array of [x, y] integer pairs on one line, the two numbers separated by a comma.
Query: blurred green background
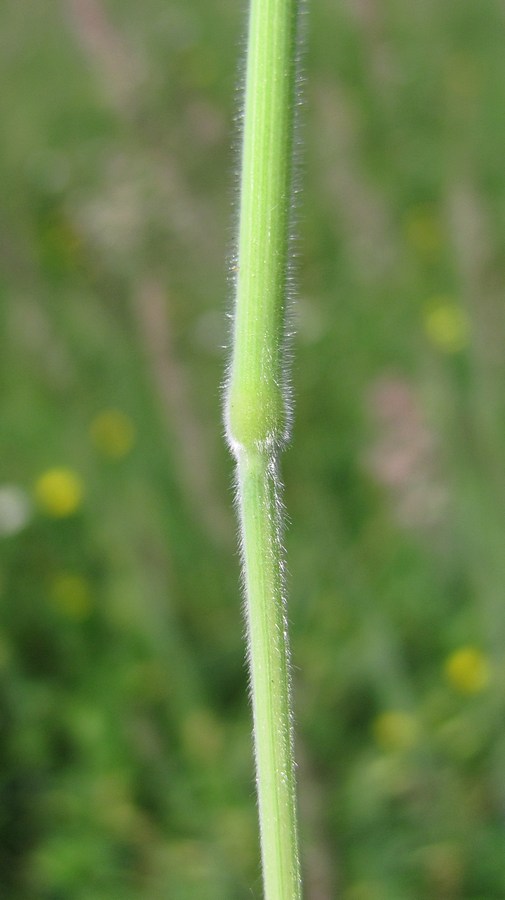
[[125, 749]]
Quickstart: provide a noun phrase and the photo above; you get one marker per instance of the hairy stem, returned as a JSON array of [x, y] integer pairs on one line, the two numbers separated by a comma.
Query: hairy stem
[[257, 421], [269, 663]]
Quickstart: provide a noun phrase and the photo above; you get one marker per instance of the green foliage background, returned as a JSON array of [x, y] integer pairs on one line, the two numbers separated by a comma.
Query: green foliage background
[[125, 744]]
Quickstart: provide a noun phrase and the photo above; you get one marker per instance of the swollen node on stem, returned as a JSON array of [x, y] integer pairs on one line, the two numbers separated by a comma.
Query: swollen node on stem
[[256, 419]]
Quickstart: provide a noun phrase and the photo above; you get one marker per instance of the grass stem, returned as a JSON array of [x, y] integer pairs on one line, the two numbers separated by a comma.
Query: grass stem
[[257, 418]]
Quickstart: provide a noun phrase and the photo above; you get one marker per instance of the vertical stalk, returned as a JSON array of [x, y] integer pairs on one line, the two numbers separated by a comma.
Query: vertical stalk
[[257, 421]]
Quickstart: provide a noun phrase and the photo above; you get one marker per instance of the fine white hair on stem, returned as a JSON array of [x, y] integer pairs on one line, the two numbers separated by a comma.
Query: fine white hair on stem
[[258, 415], [293, 194]]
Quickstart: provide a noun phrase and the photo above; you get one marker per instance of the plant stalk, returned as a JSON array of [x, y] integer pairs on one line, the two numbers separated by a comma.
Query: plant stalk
[[257, 420]]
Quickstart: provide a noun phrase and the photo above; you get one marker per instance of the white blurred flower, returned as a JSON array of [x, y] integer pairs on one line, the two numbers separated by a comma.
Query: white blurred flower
[[15, 509]]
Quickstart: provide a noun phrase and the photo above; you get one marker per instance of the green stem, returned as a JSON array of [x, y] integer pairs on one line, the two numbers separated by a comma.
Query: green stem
[[257, 421], [269, 664]]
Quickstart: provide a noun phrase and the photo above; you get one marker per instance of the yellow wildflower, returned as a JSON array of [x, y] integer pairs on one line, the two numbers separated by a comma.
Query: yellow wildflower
[[395, 730], [71, 595], [113, 433], [447, 325], [467, 670], [59, 492]]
